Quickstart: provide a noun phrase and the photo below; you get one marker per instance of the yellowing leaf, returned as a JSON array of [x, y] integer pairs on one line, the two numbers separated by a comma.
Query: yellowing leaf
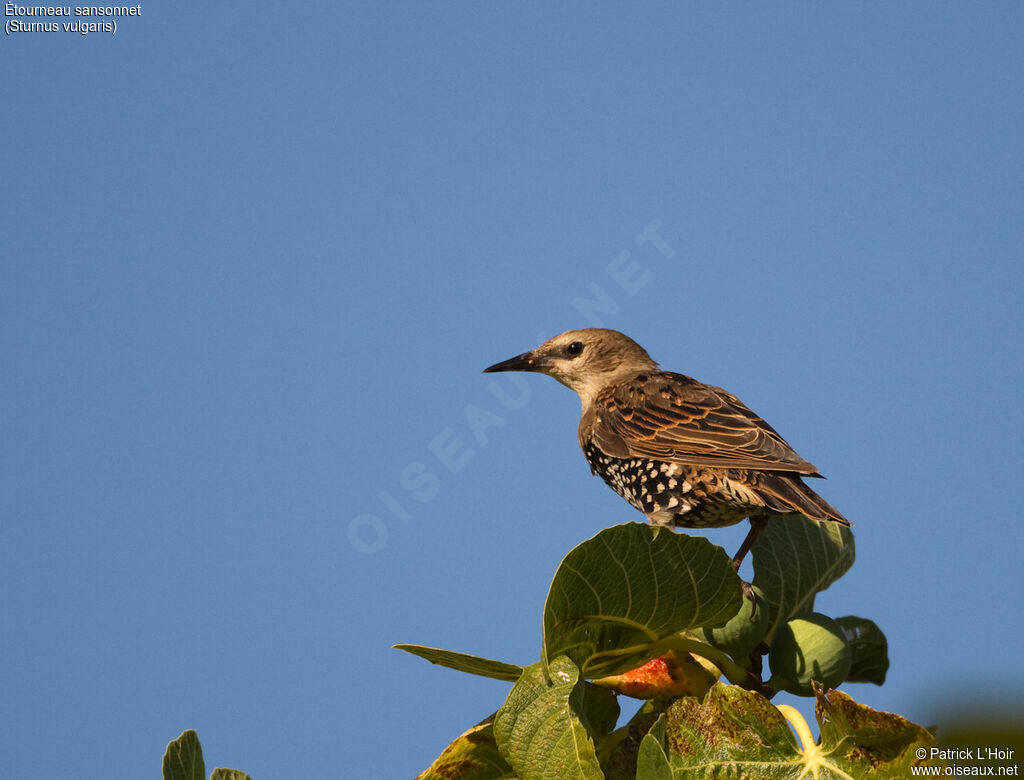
[[473, 756]]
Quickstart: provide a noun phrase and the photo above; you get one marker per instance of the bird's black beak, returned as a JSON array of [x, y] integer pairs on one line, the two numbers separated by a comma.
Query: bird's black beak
[[528, 361]]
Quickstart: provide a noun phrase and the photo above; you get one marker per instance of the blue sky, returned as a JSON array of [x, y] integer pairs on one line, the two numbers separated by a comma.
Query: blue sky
[[254, 260]]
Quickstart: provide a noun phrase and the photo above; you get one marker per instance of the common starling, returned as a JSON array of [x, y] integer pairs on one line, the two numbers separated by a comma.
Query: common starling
[[684, 453]]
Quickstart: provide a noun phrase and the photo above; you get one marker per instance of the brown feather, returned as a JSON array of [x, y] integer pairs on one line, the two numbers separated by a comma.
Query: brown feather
[[674, 418]]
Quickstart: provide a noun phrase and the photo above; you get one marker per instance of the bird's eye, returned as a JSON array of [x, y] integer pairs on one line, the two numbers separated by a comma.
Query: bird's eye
[[575, 348]]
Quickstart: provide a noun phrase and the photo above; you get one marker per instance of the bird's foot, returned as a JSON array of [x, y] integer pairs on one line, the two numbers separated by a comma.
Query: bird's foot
[[748, 591]]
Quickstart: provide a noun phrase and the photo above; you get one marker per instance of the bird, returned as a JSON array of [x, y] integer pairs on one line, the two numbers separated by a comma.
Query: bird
[[686, 454]]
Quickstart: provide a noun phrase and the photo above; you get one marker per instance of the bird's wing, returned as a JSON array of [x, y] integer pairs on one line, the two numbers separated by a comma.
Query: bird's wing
[[672, 417]]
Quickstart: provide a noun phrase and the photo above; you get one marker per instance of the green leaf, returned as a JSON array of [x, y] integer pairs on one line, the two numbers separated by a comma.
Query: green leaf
[[744, 631], [183, 759], [464, 662], [541, 729], [619, 751], [869, 647], [652, 761], [811, 647], [616, 595], [795, 558], [599, 709], [473, 756], [864, 739], [228, 774]]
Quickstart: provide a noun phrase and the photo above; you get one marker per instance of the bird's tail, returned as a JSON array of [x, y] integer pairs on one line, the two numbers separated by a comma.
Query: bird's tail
[[789, 493]]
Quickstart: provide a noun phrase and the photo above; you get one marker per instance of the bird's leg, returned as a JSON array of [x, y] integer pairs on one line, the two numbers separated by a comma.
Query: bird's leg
[[756, 663], [757, 523]]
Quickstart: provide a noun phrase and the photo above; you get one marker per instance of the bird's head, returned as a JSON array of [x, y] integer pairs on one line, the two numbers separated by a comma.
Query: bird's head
[[585, 360]]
